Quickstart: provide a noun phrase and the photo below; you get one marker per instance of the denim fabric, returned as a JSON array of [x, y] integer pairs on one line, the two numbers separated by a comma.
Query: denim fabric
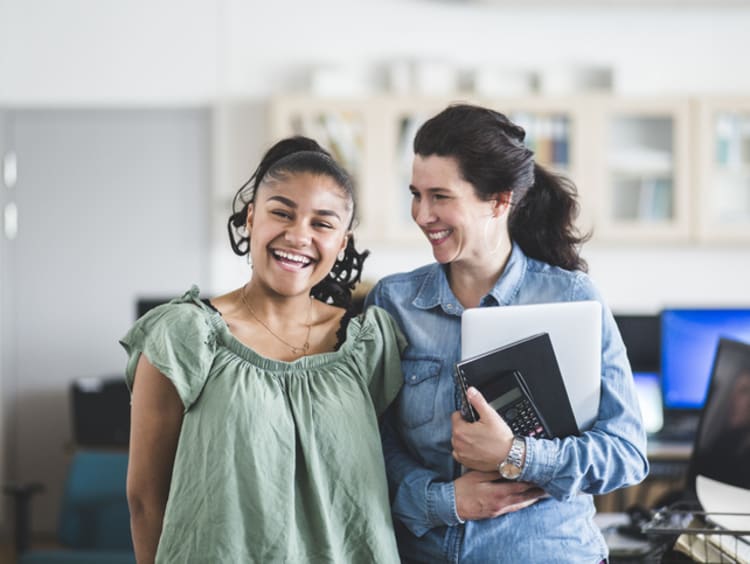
[[417, 430]]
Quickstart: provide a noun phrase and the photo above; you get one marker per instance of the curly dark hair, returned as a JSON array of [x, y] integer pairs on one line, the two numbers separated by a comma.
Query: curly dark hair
[[492, 157], [295, 155]]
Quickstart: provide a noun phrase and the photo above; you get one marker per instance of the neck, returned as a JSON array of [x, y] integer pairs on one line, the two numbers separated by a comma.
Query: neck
[[470, 281], [271, 305]]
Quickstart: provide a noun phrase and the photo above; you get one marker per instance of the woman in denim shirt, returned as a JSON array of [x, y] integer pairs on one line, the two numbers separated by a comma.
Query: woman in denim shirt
[[501, 230]]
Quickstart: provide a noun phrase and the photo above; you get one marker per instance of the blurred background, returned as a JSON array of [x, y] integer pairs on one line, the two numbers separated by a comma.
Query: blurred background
[[126, 127]]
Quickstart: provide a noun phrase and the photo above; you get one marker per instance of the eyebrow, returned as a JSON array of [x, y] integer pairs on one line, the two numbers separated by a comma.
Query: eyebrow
[[433, 189], [292, 204]]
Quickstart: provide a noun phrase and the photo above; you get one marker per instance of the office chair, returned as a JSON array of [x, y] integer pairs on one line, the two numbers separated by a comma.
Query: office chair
[[94, 522]]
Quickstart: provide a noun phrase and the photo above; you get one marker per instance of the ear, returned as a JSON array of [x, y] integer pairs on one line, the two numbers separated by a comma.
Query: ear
[[345, 240], [501, 203], [249, 220]]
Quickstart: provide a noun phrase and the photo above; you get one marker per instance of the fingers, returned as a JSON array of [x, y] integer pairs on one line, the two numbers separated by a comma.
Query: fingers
[[476, 399], [480, 496]]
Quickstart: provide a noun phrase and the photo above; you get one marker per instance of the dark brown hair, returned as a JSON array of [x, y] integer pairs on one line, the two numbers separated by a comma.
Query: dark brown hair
[[492, 157]]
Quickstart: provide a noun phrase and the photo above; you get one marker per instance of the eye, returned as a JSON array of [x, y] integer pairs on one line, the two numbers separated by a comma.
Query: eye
[[281, 213], [415, 195], [323, 225]]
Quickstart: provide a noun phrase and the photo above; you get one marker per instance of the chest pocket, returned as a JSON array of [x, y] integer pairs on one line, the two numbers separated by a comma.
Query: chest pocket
[[417, 404]]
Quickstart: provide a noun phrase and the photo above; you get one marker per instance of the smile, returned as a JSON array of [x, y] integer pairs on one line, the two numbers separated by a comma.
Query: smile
[[287, 257], [436, 236]]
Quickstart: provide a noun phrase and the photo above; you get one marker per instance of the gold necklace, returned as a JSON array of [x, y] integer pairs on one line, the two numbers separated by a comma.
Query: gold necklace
[[295, 350]]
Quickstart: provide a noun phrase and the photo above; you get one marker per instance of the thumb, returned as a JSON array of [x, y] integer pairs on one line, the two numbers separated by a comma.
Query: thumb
[[480, 404]]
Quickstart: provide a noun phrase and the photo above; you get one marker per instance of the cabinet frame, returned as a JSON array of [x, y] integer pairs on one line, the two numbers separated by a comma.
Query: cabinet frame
[[607, 228], [382, 198], [704, 135]]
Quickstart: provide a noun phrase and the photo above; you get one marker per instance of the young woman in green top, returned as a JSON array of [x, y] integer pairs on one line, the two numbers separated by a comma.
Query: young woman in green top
[[254, 434]]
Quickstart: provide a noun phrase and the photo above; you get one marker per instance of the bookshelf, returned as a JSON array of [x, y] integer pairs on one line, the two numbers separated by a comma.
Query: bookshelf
[[666, 169]]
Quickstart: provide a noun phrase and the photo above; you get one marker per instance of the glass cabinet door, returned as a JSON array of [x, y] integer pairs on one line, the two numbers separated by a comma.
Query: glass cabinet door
[[643, 184], [343, 127], [724, 181], [405, 120], [548, 134]]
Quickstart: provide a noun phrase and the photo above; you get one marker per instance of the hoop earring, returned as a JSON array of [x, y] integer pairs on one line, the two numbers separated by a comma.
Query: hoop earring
[[486, 238]]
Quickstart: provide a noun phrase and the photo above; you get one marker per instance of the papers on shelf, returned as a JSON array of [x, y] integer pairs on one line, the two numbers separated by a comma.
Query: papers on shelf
[[641, 162]]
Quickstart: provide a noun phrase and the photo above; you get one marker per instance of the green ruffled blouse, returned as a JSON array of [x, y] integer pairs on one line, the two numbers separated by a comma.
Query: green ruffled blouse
[[276, 461]]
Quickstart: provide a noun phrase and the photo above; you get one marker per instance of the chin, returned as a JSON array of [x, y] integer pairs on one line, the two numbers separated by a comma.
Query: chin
[[445, 256]]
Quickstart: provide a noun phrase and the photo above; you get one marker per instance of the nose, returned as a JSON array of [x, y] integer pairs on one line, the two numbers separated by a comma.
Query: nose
[[421, 211], [298, 234]]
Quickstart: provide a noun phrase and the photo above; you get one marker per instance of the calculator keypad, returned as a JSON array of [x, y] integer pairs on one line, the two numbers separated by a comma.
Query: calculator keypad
[[523, 421]]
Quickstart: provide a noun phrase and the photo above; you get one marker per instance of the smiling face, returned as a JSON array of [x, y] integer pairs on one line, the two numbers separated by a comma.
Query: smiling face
[[297, 226], [449, 212]]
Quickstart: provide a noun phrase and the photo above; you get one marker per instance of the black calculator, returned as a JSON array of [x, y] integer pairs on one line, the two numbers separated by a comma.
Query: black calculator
[[509, 395]]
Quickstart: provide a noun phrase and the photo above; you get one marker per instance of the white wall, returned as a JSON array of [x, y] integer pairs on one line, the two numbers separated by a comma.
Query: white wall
[[192, 51]]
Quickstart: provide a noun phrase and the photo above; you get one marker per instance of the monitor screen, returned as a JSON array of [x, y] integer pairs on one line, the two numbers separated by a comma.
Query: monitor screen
[[649, 399], [688, 345], [722, 446]]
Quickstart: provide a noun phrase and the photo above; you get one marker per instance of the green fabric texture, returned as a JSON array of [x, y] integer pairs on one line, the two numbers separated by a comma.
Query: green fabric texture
[[276, 461]]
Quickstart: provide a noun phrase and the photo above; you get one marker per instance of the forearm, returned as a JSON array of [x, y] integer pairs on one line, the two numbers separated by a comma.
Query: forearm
[[609, 456], [145, 522], [420, 499]]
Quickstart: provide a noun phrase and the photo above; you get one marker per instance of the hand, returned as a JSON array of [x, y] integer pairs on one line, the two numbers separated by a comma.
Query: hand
[[481, 445], [479, 496]]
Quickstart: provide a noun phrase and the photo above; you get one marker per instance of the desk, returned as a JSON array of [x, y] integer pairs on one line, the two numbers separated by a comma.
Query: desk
[[624, 549]]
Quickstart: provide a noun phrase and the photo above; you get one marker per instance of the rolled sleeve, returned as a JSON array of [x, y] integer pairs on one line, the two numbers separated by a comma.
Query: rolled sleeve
[[441, 504], [542, 460]]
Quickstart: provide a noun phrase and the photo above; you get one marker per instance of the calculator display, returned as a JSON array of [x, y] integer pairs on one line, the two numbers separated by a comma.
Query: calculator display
[[508, 397]]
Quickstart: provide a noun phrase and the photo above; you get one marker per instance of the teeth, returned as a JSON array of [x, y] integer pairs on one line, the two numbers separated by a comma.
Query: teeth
[[439, 235], [292, 257]]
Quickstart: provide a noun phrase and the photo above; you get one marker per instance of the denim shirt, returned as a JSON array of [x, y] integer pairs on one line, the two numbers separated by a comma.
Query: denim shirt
[[417, 429]]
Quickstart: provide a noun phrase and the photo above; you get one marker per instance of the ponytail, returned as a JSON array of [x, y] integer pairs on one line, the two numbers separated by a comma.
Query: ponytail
[[543, 221]]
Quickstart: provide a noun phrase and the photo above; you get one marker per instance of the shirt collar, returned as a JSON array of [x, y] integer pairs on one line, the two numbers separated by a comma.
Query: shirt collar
[[435, 290]]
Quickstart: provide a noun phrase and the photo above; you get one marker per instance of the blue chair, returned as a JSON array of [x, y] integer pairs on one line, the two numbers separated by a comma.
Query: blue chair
[[94, 522]]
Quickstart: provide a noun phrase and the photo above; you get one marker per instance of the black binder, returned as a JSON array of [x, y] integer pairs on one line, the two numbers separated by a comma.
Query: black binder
[[534, 357]]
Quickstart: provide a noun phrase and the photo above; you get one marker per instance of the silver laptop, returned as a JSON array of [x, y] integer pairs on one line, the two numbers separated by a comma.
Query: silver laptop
[[575, 329]]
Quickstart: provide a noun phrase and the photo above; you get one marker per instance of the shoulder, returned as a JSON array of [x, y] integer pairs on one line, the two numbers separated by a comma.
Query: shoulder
[[567, 284], [185, 315], [375, 324], [402, 282]]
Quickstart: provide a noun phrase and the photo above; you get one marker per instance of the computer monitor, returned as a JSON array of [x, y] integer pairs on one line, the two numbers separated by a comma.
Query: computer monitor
[[642, 337], [688, 345], [143, 305], [722, 445]]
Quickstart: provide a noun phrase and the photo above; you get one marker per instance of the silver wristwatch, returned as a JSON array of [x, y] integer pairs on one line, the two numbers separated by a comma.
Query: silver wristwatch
[[512, 466]]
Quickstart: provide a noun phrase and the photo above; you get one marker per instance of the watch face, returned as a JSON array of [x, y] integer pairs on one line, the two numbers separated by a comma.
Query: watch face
[[509, 471]]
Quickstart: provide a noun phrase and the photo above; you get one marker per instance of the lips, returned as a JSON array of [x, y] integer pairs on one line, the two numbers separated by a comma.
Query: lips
[[291, 259], [437, 237]]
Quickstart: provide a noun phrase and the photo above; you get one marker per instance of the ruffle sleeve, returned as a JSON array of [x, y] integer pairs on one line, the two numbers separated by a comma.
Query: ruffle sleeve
[[179, 340], [378, 354]]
